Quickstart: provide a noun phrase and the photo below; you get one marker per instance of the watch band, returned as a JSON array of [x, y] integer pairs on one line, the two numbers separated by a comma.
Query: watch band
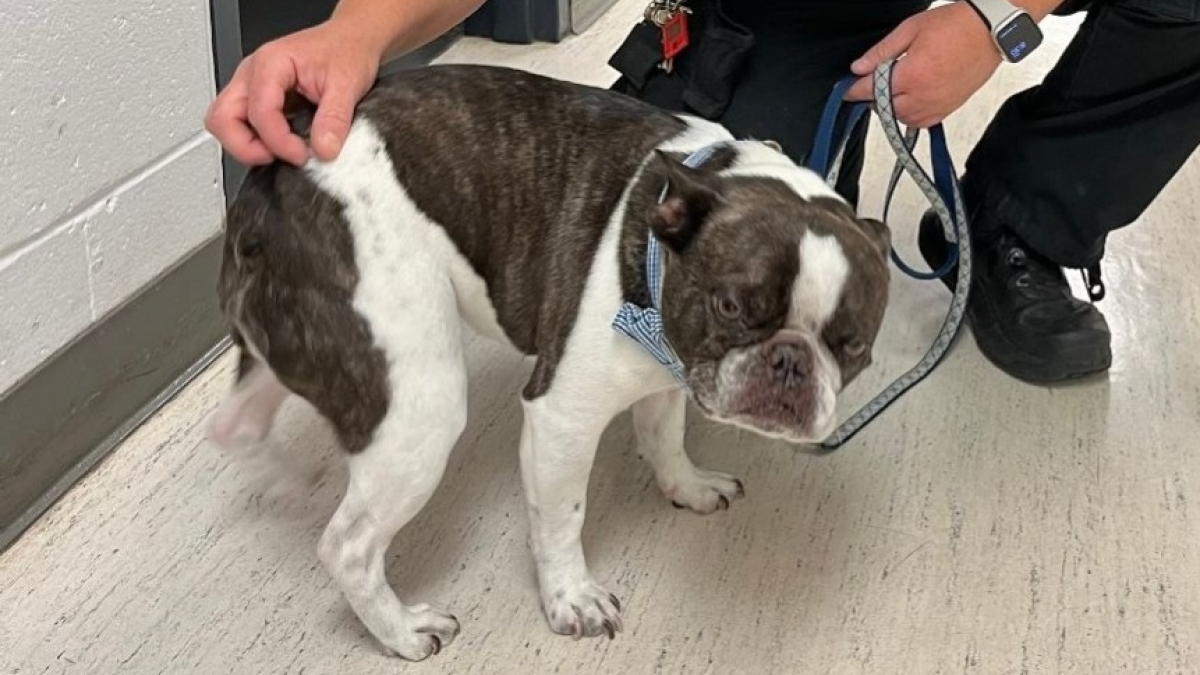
[[1013, 30], [995, 13]]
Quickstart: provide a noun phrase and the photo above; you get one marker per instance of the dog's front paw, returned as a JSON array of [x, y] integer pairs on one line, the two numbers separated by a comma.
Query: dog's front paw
[[583, 610], [703, 491], [427, 632]]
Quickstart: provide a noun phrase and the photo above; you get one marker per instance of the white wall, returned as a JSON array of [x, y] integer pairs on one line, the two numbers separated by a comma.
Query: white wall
[[108, 178]]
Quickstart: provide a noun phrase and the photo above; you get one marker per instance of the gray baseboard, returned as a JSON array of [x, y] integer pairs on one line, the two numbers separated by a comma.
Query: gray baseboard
[[66, 417]]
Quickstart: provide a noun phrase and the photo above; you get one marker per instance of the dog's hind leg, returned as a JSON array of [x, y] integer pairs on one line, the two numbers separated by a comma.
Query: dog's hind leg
[[246, 415], [396, 470], [390, 482], [659, 421]]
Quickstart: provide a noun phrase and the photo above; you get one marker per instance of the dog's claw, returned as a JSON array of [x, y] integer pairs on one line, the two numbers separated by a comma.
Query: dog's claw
[[703, 491], [577, 626], [433, 631], [583, 611]]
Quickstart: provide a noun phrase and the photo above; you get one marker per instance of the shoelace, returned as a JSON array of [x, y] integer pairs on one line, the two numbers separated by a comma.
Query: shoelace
[[1093, 282], [1017, 258], [1032, 268]]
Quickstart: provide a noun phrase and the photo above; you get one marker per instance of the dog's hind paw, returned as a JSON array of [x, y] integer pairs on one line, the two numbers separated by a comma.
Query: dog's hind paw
[[704, 491], [429, 631], [583, 610]]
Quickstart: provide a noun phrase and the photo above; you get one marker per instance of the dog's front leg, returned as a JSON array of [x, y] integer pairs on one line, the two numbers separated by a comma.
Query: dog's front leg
[[659, 420], [557, 451]]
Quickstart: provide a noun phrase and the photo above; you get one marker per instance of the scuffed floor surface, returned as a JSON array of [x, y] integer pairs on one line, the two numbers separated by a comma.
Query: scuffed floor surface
[[981, 526]]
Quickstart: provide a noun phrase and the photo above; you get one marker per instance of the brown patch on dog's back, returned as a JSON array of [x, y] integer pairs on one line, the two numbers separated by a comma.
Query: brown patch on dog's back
[[523, 172]]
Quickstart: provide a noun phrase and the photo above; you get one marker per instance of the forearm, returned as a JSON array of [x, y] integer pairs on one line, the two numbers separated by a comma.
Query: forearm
[[396, 27], [1038, 9]]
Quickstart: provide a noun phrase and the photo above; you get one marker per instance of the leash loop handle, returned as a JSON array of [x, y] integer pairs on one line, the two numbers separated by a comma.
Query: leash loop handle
[[944, 194]]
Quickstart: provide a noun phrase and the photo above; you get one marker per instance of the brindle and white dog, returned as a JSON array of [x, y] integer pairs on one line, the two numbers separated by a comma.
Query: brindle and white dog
[[520, 206]]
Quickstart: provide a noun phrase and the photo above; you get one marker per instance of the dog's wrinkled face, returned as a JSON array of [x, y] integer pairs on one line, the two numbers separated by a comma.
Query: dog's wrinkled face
[[771, 300]]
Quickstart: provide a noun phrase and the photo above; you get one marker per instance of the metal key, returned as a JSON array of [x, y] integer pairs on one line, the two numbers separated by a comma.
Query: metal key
[[657, 12], [660, 13]]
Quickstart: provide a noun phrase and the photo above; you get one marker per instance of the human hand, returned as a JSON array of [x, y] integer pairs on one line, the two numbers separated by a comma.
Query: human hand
[[948, 54], [329, 65]]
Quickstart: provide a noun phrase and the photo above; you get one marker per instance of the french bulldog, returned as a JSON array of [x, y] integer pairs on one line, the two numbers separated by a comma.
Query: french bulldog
[[522, 207]]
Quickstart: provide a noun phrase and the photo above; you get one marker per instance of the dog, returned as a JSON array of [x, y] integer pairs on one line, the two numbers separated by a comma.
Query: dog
[[522, 208]]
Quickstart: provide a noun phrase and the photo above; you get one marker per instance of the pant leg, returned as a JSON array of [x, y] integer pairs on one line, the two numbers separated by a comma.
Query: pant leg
[[786, 82], [1085, 152], [801, 49]]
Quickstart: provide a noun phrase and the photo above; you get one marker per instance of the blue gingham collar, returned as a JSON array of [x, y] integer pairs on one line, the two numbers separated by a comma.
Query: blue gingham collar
[[644, 324]]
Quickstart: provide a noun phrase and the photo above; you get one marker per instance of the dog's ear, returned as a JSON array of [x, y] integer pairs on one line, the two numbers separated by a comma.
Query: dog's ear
[[876, 230], [690, 195], [878, 233]]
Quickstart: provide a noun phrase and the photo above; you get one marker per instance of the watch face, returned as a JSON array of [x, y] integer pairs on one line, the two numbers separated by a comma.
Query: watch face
[[1018, 37]]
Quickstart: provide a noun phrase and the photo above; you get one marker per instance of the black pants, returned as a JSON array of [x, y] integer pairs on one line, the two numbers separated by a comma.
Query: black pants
[[1063, 163]]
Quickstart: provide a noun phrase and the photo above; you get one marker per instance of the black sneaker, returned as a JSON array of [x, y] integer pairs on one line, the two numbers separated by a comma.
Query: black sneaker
[[1022, 312]]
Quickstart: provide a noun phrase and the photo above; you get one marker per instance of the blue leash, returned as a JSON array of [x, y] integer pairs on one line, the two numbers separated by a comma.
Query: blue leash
[[944, 194]]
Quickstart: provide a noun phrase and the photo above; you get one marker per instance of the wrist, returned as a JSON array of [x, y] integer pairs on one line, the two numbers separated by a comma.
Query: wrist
[[1038, 10], [1013, 28]]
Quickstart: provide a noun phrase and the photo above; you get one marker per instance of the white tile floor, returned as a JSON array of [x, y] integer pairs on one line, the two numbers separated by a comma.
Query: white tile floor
[[982, 526]]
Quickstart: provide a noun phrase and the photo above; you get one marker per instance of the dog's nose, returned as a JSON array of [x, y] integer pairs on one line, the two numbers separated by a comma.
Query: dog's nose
[[788, 363]]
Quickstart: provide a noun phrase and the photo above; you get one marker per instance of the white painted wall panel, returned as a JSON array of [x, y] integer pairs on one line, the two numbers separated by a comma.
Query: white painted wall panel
[[109, 178], [44, 302], [91, 91], [149, 227]]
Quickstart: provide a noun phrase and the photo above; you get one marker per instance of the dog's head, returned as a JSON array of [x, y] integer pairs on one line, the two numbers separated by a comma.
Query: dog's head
[[773, 290]]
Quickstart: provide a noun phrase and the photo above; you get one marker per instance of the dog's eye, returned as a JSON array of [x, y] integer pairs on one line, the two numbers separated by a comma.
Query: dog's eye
[[854, 347], [728, 307]]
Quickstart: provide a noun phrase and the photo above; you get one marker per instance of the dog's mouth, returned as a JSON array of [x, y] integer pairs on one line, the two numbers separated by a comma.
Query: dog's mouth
[[737, 392], [794, 415], [773, 428]]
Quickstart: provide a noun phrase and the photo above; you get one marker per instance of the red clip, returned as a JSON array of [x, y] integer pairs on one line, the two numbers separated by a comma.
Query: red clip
[[674, 35]]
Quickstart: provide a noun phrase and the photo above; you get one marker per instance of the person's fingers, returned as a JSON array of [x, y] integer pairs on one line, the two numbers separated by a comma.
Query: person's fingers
[[227, 122], [226, 119], [253, 153], [273, 77], [916, 95], [890, 47], [912, 111], [335, 111], [861, 90]]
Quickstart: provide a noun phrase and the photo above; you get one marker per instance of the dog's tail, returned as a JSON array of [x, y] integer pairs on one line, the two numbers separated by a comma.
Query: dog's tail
[[245, 416]]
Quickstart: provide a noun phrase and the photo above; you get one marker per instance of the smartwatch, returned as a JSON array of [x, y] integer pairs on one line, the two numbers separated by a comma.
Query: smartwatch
[[1015, 33]]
